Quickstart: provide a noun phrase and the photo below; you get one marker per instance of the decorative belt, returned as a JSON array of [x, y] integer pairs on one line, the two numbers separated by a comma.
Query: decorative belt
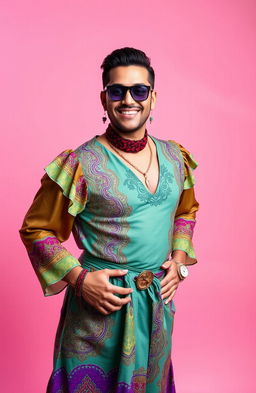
[[143, 280]]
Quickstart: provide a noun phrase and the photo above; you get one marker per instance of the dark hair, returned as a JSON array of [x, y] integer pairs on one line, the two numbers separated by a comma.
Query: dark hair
[[124, 57]]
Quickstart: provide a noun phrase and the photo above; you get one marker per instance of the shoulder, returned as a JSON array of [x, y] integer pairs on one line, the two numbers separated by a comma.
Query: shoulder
[[69, 158], [66, 161], [186, 153], [189, 162], [66, 171]]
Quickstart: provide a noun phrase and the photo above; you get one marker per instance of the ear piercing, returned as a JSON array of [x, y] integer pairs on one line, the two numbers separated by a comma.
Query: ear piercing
[[104, 118]]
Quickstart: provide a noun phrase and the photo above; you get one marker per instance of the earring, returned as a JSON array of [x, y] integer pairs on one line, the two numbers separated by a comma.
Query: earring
[[104, 118], [151, 119]]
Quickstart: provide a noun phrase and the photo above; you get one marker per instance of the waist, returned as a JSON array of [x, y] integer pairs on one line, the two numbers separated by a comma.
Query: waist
[[88, 260]]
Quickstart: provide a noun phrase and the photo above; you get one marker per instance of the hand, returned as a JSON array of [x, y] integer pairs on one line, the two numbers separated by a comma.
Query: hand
[[170, 282], [99, 292]]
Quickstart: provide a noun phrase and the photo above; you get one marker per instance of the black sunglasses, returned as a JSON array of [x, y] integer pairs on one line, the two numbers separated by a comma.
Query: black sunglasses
[[138, 92]]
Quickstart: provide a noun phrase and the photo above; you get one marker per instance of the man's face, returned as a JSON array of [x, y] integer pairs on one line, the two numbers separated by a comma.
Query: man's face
[[124, 122]]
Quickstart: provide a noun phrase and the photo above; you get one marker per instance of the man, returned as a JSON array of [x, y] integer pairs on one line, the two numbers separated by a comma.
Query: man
[[128, 198]]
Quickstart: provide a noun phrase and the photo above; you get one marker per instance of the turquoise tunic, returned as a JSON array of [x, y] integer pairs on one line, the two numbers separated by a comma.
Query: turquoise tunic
[[123, 225]]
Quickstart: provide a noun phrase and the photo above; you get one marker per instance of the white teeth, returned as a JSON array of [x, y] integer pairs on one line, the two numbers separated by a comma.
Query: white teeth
[[129, 112]]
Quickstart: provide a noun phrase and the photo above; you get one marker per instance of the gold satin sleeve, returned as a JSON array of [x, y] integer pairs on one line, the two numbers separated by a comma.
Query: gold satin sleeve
[[46, 225], [188, 206], [47, 215]]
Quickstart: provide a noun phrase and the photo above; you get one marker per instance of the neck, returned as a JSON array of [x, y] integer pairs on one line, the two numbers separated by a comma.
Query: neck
[[134, 135], [122, 142]]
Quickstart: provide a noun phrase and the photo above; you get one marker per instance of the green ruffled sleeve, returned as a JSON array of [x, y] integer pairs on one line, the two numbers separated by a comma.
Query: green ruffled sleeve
[[66, 171], [190, 165]]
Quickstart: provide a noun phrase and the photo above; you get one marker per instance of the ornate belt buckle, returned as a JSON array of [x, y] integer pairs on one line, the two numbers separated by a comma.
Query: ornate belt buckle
[[144, 279]]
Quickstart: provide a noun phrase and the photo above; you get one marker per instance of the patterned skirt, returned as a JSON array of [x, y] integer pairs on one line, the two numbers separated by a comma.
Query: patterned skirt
[[126, 351]]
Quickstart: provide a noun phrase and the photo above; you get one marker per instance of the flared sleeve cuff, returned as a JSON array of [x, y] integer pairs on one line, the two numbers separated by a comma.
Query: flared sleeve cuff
[[182, 239], [66, 171], [53, 267]]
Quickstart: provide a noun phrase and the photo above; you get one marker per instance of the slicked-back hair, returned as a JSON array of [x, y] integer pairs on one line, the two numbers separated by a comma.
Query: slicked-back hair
[[125, 57]]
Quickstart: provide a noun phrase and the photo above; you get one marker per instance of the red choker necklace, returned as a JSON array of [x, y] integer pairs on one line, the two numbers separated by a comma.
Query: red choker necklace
[[124, 144]]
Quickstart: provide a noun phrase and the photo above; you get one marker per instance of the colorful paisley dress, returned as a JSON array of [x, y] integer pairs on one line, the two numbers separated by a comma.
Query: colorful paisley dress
[[117, 223]]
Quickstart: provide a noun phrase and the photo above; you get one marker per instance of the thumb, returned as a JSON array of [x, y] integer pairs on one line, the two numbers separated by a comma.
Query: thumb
[[166, 264]]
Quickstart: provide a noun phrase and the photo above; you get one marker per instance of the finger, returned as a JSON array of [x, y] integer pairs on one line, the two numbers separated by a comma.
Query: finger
[[166, 279], [169, 277], [167, 292], [170, 274], [171, 280], [111, 307], [166, 264], [116, 272], [120, 290], [102, 310], [117, 301], [166, 289], [99, 306], [170, 297]]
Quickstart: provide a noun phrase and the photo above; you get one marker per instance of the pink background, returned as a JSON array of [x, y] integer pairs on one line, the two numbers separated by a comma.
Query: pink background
[[203, 53]]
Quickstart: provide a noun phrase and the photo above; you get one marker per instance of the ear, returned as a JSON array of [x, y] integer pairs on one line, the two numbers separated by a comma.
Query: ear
[[103, 99], [153, 99]]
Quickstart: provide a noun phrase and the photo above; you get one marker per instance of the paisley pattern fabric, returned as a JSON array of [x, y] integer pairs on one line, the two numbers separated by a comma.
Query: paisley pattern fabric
[[183, 232], [93, 379], [107, 208], [166, 178], [125, 351], [46, 250], [116, 222]]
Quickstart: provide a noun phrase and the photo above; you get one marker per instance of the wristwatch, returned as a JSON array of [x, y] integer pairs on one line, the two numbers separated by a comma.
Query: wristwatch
[[182, 269]]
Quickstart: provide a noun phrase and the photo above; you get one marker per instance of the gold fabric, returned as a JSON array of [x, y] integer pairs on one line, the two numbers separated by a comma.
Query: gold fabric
[[48, 214]]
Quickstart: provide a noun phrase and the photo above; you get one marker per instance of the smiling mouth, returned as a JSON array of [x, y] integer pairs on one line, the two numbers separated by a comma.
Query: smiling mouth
[[128, 112]]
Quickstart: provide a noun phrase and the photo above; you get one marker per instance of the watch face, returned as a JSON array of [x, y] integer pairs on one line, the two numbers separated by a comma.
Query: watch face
[[183, 271]]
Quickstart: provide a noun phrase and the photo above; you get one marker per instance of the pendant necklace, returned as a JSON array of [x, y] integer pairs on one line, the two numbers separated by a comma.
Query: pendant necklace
[[145, 174]]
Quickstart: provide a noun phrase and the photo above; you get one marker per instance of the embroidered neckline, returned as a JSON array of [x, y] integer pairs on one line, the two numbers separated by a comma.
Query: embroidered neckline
[[128, 168]]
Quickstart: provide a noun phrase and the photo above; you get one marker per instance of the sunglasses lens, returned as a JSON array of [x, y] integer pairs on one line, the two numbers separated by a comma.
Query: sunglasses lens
[[139, 92], [115, 93]]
